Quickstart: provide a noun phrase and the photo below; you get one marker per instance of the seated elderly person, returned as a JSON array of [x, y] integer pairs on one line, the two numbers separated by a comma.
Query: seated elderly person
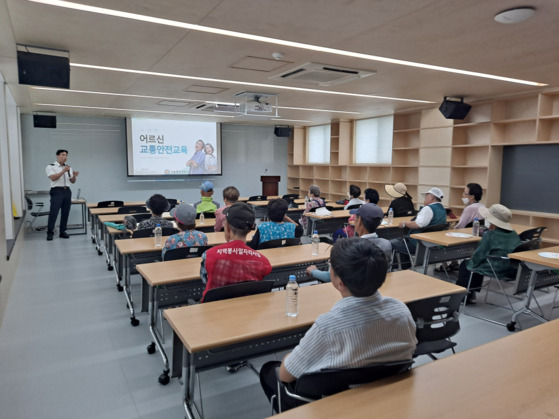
[[500, 240], [280, 225], [157, 204], [185, 216], [361, 329], [433, 213]]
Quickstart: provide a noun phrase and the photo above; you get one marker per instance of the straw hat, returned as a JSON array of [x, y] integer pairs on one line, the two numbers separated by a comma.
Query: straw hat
[[498, 215], [396, 191]]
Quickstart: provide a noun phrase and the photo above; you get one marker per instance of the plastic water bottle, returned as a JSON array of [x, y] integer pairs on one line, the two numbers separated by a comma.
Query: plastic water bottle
[[292, 297], [475, 228], [202, 218], [315, 243], [306, 200], [158, 233], [390, 216]]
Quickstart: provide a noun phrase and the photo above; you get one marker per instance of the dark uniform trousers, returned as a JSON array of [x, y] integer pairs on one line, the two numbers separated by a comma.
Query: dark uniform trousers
[[60, 199]]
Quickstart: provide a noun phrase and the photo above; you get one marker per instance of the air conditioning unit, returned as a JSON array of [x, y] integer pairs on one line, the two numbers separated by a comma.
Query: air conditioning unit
[[322, 74]]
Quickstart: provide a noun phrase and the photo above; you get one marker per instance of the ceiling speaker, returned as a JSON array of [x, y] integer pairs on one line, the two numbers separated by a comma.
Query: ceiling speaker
[[453, 109], [44, 121], [43, 70], [282, 131]]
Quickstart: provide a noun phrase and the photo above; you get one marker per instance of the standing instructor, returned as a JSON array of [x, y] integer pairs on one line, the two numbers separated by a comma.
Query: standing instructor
[[60, 176]]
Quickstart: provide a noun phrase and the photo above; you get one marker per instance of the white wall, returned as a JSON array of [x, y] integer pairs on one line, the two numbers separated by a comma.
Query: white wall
[[97, 148]]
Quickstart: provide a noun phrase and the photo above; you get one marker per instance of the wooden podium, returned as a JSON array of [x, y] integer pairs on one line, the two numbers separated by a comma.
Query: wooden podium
[[270, 185]]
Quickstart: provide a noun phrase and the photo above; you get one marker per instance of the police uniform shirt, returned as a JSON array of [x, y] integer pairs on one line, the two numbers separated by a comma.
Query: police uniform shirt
[[62, 181]]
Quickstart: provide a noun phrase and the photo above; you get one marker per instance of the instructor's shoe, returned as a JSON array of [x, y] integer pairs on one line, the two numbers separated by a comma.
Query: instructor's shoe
[[49, 237], [64, 235]]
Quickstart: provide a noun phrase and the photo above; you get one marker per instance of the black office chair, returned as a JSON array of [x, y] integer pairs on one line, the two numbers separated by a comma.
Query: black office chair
[[533, 233], [314, 386], [354, 206], [436, 321], [148, 232], [258, 198], [185, 252], [36, 211], [141, 216], [270, 244], [290, 196], [132, 209], [240, 289], [328, 207], [493, 261], [206, 215], [105, 204]]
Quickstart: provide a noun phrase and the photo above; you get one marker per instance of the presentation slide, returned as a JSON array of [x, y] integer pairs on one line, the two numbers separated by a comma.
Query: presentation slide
[[158, 147]]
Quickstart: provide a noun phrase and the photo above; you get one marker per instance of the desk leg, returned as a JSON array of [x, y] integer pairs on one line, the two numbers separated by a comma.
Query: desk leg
[[122, 263], [163, 378], [98, 237], [189, 376], [425, 259], [529, 293], [128, 295], [109, 250], [177, 354], [145, 296]]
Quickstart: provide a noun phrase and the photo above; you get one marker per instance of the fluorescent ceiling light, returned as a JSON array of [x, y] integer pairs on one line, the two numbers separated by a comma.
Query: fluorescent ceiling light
[[129, 110], [242, 83], [289, 120], [216, 102], [200, 28]]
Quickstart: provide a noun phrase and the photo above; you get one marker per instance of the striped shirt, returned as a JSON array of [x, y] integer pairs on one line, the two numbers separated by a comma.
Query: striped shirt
[[356, 332]]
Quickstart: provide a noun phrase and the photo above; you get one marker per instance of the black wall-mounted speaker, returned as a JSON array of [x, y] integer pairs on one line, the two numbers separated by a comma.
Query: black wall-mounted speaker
[[43, 70], [44, 121], [282, 131], [454, 110]]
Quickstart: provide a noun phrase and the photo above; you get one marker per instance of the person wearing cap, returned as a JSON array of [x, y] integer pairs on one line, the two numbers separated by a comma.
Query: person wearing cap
[[367, 218], [230, 196], [185, 217], [280, 225], [157, 204], [234, 261], [499, 240], [433, 213], [361, 329], [206, 204], [371, 197], [354, 194], [403, 204]]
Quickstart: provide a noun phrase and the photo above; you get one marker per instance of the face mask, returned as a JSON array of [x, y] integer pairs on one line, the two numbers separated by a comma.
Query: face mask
[[466, 201]]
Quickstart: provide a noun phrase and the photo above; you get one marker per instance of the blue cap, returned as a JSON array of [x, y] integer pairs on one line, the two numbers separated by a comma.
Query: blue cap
[[207, 186]]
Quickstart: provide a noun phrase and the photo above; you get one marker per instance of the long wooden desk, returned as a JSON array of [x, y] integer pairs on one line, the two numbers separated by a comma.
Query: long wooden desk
[[513, 377], [175, 282], [535, 262], [127, 248], [222, 332], [444, 246]]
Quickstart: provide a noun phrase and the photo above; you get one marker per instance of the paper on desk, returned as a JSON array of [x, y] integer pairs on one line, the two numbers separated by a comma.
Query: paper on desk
[[549, 255], [384, 223], [461, 235]]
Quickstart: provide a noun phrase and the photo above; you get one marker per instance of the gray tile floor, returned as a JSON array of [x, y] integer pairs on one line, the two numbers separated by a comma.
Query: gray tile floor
[[67, 348]]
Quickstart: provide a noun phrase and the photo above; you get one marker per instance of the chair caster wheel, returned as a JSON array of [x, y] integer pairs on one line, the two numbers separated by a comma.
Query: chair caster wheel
[[164, 379], [119, 287], [134, 321], [510, 326], [93, 240], [99, 252], [151, 348], [233, 368], [110, 267]]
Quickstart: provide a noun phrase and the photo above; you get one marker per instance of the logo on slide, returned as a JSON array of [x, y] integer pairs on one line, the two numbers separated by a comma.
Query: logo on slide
[[167, 171]]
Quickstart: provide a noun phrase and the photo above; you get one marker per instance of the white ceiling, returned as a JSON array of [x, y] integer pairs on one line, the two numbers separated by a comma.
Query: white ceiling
[[445, 33]]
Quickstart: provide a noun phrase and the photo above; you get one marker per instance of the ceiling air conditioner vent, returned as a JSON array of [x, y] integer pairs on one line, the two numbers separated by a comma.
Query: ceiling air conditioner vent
[[322, 74], [217, 107]]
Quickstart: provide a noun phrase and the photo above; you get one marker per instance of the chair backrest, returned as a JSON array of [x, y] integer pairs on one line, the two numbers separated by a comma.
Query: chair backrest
[[327, 240], [29, 202], [533, 233], [240, 289], [290, 196], [185, 252], [436, 318], [206, 215], [169, 231], [331, 381], [105, 204], [279, 243], [328, 207], [142, 216], [436, 227], [132, 209], [354, 206], [145, 232], [258, 198]]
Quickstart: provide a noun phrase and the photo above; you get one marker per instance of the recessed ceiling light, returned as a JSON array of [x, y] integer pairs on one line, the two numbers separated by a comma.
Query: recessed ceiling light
[[516, 15]]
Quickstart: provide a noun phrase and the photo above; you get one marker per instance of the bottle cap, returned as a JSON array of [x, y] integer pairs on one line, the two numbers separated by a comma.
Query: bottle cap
[[292, 277], [316, 232], [158, 225]]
